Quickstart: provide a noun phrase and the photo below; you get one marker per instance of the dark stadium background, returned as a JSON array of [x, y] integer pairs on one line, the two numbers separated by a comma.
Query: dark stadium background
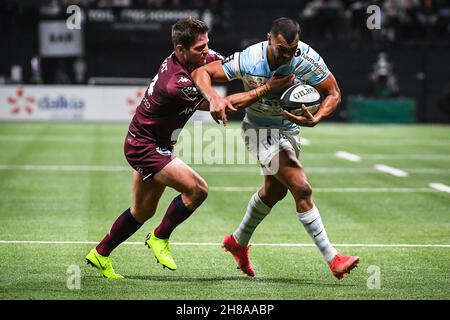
[[64, 178], [414, 34]]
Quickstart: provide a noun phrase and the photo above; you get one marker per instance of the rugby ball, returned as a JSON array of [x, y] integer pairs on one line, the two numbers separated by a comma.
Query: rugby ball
[[292, 99]]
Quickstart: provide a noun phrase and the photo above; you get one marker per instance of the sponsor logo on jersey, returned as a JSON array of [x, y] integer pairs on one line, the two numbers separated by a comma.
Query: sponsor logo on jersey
[[146, 103], [191, 92], [319, 69], [270, 103], [187, 111], [164, 66], [183, 80]]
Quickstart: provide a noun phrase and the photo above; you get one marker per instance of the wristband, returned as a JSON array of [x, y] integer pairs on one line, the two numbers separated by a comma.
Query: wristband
[[265, 90]]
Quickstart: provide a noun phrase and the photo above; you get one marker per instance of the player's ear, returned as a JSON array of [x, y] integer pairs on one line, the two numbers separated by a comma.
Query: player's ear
[[269, 38], [179, 50]]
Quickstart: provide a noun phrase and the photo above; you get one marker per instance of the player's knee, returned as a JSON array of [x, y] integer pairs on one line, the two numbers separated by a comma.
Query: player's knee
[[202, 192], [199, 192], [274, 194], [302, 191], [142, 214]]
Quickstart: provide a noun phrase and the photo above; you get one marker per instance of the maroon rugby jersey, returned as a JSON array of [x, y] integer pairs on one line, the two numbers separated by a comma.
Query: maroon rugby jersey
[[168, 103]]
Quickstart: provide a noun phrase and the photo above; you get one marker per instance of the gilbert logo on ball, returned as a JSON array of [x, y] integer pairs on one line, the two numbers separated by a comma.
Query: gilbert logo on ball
[[300, 94]]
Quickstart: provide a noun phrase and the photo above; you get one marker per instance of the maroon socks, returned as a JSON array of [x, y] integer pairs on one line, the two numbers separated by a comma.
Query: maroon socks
[[175, 214], [121, 230]]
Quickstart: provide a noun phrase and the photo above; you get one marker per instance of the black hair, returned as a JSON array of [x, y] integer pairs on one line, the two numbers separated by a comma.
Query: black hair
[[286, 27]]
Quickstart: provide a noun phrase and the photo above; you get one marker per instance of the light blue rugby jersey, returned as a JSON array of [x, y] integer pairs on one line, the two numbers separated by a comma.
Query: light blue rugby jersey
[[252, 67]]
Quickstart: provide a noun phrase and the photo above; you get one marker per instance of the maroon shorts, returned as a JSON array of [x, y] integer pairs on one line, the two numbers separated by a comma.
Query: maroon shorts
[[146, 157]]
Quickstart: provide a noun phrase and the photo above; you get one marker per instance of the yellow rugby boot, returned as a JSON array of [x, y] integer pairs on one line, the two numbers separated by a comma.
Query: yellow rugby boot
[[103, 264], [161, 249]]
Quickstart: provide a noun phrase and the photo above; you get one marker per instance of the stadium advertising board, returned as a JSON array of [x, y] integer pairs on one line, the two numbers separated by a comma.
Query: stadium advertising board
[[56, 40], [74, 103]]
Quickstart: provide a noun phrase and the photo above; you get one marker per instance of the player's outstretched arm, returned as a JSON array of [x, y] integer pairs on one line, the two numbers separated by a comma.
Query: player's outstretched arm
[[274, 84], [213, 72], [329, 89], [203, 76]]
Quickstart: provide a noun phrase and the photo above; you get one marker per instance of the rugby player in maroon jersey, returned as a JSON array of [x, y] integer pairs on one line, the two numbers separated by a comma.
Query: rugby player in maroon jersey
[[169, 102]]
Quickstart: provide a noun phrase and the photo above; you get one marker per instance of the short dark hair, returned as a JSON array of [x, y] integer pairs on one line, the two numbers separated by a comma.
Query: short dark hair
[[185, 31], [286, 27]]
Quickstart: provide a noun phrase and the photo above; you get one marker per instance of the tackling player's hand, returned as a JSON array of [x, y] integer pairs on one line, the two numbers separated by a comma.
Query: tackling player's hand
[[277, 83], [218, 107], [307, 120]]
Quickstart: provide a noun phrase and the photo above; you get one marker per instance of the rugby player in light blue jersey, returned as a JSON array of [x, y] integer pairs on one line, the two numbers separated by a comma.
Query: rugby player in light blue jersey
[[272, 134]]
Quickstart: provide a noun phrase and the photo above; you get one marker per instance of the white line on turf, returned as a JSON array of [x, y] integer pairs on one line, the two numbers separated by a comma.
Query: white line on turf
[[440, 187], [64, 168], [400, 245], [304, 141], [333, 190], [348, 156], [251, 169], [381, 156], [391, 170], [119, 138]]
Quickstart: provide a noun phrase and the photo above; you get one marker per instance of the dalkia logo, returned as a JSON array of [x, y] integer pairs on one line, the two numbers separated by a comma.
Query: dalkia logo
[[20, 101], [132, 103], [60, 102]]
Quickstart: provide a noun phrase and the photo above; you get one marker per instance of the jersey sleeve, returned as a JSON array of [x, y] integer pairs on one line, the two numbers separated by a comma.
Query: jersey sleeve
[[213, 56], [312, 68], [237, 65], [231, 66]]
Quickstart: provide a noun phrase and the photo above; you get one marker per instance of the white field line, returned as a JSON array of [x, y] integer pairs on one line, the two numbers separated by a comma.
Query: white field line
[[440, 187], [305, 142], [391, 170], [49, 138], [401, 245], [251, 169], [334, 190], [387, 142], [76, 168], [348, 156], [320, 141], [381, 156]]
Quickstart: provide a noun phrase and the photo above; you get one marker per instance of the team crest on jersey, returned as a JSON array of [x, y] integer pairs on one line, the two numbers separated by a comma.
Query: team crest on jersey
[[191, 92], [163, 151]]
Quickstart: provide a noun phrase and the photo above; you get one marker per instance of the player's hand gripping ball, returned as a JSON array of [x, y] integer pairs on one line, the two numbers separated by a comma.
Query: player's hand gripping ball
[[300, 94]]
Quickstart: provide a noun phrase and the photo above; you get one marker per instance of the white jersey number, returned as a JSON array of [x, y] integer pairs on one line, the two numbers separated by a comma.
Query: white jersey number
[[152, 84]]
